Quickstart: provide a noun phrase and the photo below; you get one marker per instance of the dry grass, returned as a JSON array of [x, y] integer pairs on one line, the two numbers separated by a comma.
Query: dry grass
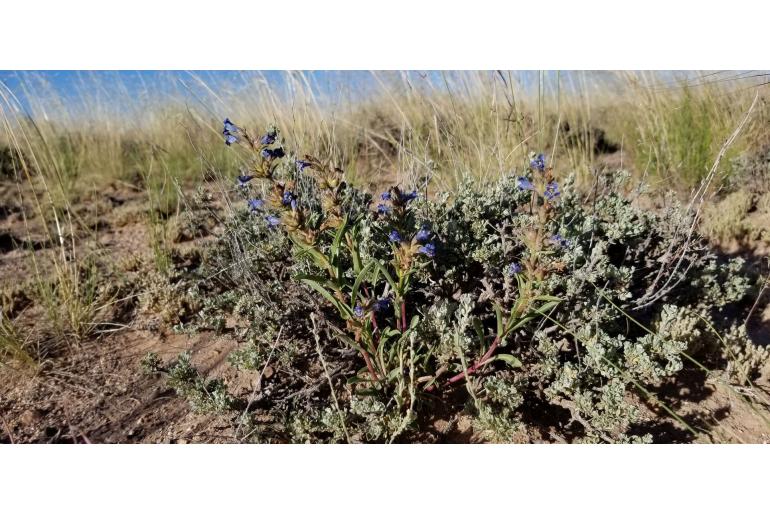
[[409, 128], [443, 125]]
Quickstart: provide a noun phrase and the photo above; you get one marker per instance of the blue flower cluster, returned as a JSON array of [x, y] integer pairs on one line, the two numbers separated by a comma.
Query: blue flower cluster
[[289, 199], [269, 138], [538, 163], [428, 249], [399, 197], [229, 131], [551, 190], [275, 153], [243, 180], [256, 204], [524, 184], [381, 305], [422, 235]]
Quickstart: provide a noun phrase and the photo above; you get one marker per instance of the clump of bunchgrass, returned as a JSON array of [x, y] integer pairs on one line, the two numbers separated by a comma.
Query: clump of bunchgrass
[[15, 347]]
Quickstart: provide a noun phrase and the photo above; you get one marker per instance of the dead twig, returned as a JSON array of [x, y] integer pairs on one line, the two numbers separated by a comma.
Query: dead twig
[[328, 377], [759, 297], [7, 429]]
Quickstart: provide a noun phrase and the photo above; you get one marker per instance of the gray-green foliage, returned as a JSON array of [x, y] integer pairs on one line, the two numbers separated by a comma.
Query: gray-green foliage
[[204, 396], [622, 264], [638, 291]]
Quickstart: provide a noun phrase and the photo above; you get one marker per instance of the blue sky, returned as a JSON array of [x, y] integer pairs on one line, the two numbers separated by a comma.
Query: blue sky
[[71, 86], [126, 91]]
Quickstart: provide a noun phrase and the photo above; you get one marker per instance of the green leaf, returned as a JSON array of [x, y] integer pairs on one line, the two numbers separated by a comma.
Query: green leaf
[[521, 322], [548, 298], [479, 330], [335, 248], [343, 309], [357, 283], [510, 359], [320, 260], [388, 277], [347, 340], [548, 306], [499, 314], [393, 374]]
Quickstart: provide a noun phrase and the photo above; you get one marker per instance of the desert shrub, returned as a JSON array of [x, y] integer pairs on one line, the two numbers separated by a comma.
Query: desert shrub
[[545, 303], [204, 396]]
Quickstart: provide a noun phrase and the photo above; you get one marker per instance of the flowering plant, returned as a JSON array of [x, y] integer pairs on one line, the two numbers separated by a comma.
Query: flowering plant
[[376, 296], [523, 291]]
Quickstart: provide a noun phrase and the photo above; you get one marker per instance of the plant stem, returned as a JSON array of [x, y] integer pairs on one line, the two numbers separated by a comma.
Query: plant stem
[[473, 368], [368, 361], [375, 328]]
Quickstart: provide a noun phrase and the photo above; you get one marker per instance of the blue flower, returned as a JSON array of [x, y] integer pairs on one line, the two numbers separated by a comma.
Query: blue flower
[[428, 249], [538, 163], [513, 268], [229, 127], [394, 236], [358, 311], [244, 179], [408, 197], [272, 221], [268, 138], [255, 204], [276, 153], [293, 204], [381, 305], [422, 235], [301, 165], [524, 184], [551, 190], [385, 196], [560, 240], [288, 198], [383, 209], [228, 131]]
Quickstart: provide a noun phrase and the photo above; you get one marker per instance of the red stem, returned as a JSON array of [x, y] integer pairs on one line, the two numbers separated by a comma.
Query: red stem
[[368, 361], [403, 316], [376, 338], [473, 368], [369, 366]]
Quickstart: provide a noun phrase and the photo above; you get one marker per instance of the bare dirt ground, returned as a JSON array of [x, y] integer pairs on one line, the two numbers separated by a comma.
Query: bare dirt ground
[[95, 391]]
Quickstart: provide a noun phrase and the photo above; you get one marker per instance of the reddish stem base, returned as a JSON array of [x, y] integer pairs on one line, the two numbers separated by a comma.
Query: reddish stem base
[[471, 369]]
